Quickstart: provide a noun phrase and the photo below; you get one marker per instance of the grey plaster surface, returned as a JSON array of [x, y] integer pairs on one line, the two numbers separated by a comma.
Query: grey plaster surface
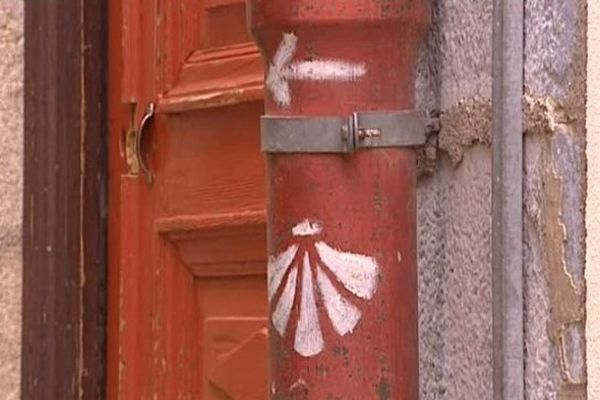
[[457, 61], [455, 284], [550, 41], [455, 205], [11, 186], [454, 214]]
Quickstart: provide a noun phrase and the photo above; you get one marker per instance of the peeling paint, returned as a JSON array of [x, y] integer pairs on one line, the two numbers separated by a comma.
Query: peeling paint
[[455, 77], [572, 346], [554, 229], [559, 213], [567, 303]]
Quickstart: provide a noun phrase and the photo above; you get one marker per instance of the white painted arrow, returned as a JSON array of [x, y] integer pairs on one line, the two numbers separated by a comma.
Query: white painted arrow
[[282, 70]]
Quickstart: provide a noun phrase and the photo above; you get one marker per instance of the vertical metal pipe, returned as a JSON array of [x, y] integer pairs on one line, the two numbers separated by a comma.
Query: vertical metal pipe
[[341, 227], [507, 200]]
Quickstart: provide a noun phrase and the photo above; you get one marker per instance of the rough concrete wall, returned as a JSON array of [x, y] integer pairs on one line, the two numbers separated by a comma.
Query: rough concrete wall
[[593, 202], [455, 202], [11, 187]]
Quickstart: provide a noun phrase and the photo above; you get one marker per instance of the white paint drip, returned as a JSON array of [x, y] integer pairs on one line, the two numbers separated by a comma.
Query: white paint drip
[[307, 228], [309, 339], [343, 315], [277, 267], [283, 70], [282, 312], [358, 273]]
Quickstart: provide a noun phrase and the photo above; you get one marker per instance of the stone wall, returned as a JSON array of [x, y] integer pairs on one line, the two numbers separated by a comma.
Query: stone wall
[[455, 202], [11, 187]]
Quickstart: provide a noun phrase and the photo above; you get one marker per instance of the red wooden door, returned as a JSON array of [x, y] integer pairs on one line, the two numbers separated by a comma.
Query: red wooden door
[[187, 295]]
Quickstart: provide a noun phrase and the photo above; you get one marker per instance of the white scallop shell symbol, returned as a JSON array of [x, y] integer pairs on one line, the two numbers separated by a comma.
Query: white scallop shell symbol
[[357, 273]]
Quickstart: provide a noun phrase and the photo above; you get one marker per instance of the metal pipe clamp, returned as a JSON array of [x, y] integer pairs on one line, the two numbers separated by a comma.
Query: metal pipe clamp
[[345, 134]]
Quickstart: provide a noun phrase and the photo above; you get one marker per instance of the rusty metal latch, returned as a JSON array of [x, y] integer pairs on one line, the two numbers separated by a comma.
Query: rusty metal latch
[[361, 130], [148, 114], [133, 143]]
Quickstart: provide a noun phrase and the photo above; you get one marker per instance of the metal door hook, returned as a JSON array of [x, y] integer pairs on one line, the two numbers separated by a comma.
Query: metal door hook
[[148, 114]]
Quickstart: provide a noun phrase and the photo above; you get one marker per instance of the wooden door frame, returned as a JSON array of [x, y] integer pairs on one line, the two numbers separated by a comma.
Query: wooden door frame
[[65, 200]]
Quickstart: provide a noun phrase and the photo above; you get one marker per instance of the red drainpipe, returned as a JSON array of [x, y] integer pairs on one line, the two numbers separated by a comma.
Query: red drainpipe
[[341, 201]]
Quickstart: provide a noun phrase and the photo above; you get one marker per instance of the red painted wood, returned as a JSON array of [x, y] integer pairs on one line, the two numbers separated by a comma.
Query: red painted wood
[[187, 306], [115, 169], [364, 202]]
